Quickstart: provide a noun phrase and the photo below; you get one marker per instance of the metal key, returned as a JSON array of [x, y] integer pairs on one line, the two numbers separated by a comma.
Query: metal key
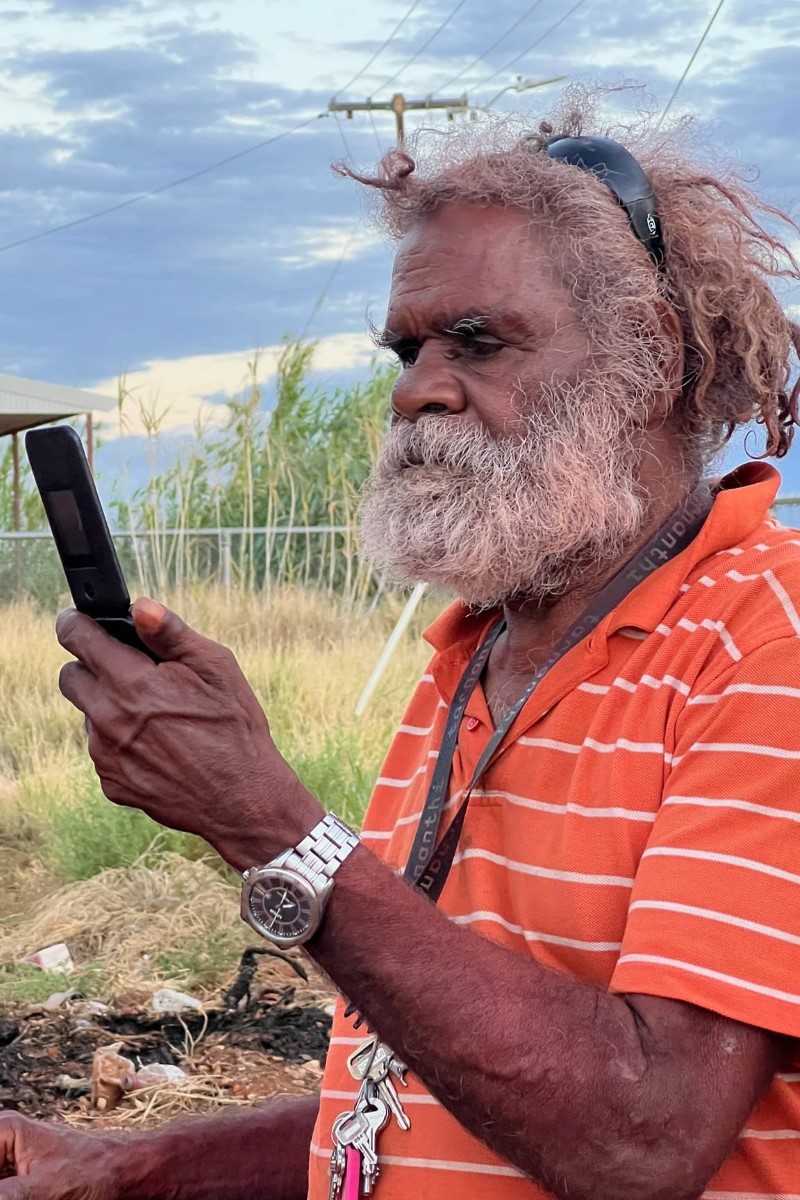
[[336, 1170], [361, 1127], [377, 1114], [370, 1055], [388, 1094], [379, 1062]]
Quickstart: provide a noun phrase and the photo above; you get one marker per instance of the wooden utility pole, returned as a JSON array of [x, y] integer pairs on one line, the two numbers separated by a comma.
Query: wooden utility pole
[[398, 105]]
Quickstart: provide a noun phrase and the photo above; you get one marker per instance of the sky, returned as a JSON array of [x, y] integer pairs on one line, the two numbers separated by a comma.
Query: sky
[[101, 102]]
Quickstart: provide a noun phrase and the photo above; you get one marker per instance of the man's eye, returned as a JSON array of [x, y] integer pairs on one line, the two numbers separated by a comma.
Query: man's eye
[[481, 347], [407, 352]]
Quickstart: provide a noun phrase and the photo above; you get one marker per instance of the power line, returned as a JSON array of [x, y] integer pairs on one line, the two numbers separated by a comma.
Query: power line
[[381, 150], [173, 183], [380, 50], [523, 53], [334, 271], [165, 187], [690, 63], [465, 70], [326, 287], [393, 78], [347, 151]]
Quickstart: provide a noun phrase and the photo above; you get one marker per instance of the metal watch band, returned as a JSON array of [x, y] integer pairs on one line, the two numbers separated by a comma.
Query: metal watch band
[[322, 851]]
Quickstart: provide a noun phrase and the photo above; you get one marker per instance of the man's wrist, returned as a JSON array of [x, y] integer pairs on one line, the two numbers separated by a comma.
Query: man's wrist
[[256, 846], [138, 1165]]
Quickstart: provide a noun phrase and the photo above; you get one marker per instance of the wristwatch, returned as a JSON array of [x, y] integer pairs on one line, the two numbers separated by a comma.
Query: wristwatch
[[285, 900]]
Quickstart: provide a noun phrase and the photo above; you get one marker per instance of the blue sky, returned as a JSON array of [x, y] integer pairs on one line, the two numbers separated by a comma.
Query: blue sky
[[101, 101]]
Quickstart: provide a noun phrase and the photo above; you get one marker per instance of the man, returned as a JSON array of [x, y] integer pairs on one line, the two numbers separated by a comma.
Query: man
[[603, 1003]]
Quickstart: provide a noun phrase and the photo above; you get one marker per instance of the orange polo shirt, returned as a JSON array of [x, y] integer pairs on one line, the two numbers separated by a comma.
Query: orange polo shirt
[[641, 832]]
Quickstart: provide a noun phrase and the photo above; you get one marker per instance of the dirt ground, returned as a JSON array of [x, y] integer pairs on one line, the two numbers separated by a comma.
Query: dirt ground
[[267, 1036]]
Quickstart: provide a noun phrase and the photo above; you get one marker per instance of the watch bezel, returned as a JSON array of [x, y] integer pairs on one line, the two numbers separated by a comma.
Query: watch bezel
[[297, 882]]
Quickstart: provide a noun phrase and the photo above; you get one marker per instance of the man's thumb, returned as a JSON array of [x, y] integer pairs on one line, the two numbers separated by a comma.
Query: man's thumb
[[168, 636]]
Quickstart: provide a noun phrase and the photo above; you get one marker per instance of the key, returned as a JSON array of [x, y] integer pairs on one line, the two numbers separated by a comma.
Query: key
[[385, 1065], [381, 1063], [361, 1127], [377, 1114], [380, 1075], [336, 1170], [388, 1094], [364, 1060]]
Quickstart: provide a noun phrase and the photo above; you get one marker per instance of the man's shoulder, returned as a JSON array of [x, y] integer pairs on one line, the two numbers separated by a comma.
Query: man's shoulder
[[753, 586], [771, 546]]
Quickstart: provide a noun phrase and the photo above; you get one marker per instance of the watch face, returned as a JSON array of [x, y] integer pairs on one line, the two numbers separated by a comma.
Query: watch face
[[282, 907]]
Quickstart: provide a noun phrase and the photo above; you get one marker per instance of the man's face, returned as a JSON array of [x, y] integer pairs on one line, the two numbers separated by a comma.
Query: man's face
[[508, 471]]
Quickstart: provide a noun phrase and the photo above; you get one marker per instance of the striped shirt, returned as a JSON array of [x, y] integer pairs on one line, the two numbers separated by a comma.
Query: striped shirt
[[640, 832]]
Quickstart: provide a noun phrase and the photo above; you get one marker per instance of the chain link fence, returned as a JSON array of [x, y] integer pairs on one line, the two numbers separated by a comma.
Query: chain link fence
[[159, 562]]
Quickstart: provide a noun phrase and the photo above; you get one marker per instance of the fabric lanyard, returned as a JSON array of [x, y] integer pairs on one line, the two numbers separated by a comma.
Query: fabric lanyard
[[430, 862]]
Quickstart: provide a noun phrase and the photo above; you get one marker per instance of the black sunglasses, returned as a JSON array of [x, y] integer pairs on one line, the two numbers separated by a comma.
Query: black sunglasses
[[620, 172]]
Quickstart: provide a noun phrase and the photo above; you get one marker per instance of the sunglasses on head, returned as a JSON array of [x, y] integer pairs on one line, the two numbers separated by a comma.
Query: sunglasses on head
[[620, 172]]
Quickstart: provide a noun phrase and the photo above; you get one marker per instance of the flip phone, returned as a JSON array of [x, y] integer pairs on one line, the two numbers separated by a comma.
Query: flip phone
[[80, 530]]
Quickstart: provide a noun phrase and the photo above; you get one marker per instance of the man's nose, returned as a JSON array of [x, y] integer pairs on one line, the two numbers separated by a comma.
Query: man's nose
[[430, 386]]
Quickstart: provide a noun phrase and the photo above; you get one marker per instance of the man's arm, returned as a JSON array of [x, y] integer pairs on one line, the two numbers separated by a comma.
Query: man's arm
[[599, 1096], [261, 1152], [596, 1096]]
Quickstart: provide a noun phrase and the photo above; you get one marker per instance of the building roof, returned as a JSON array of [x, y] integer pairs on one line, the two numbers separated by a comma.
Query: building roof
[[28, 402]]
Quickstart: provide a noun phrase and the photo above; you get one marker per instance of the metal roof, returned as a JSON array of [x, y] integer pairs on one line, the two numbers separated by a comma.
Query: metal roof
[[28, 402]]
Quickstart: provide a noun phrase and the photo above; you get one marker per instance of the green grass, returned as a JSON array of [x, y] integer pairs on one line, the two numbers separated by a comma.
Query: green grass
[[23, 983], [199, 962]]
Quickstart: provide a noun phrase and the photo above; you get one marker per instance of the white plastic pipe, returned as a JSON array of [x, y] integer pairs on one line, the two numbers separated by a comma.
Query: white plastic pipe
[[389, 648]]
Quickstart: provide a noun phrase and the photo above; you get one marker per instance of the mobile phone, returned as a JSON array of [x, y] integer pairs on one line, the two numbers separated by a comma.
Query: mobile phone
[[80, 530]]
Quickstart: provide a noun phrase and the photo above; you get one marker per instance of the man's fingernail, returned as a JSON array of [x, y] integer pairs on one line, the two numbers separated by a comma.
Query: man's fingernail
[[148, 613], [63, 617]]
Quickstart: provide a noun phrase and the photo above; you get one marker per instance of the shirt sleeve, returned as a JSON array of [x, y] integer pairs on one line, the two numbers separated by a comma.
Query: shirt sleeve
[[714, 917]]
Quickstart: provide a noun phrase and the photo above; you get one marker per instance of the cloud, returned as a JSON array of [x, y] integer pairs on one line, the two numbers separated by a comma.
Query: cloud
[[335, 243], [179, 392], [103, 99]]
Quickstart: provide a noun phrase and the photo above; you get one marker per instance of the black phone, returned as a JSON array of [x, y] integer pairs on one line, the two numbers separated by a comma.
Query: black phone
[[64, 479]]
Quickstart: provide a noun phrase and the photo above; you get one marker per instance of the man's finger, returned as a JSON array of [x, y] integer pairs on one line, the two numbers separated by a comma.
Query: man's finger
[[95, 648], [17, 1189], [78, 685], [174, 641]]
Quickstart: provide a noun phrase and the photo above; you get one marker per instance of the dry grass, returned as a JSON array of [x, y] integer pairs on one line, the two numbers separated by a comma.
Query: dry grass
[[124, 922], [162, 919]]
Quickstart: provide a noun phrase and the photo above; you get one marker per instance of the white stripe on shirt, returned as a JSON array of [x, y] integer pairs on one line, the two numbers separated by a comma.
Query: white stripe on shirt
[[711, 914], [731, 860], [659, 960], [531, 935], [761, 810], [543, 872]]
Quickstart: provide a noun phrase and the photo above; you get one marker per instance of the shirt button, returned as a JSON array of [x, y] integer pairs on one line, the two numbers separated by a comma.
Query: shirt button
[[472, 723]]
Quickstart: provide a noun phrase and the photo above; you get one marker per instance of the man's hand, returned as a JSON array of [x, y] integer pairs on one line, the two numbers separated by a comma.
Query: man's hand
[[186, 740], [231, 1156], [49, 1162]]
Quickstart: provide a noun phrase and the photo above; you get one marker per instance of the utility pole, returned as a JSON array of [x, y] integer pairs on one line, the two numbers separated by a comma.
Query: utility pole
[[399, 105]]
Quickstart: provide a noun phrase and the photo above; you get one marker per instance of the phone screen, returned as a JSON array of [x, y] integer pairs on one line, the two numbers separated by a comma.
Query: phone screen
[[67, 525]]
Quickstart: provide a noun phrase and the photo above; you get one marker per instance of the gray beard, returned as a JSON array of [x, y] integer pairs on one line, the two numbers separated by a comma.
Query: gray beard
[[499, 520]]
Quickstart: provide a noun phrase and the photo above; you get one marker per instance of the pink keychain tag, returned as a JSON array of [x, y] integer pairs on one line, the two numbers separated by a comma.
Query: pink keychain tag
[[352, 1174]]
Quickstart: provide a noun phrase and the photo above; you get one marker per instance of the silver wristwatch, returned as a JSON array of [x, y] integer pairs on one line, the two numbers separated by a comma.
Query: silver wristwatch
[[285, 900]]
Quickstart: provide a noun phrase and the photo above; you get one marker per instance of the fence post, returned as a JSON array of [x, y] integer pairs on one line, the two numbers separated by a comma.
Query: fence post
[[17, 514], [225, 559]]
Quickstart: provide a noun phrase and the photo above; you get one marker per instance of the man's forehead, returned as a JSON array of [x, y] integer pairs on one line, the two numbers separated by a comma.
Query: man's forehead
[[467, 261]]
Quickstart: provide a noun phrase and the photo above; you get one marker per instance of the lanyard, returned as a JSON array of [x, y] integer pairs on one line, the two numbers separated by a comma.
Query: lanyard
[[430, 862]]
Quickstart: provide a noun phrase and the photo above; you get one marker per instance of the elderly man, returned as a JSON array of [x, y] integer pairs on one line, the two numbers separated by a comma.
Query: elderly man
[[574, 909]]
